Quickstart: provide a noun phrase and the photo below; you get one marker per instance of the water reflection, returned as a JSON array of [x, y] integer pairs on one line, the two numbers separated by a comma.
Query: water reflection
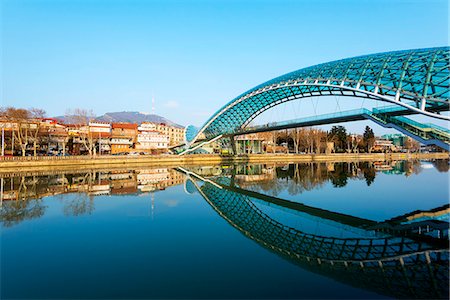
[[309, 176], [403, 257], [21, 196], [402, 262]]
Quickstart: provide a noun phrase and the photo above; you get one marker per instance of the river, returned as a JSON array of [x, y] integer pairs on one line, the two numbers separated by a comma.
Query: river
[[360, 230]]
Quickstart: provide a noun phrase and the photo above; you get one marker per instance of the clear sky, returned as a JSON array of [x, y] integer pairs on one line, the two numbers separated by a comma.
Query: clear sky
[[193, 56]]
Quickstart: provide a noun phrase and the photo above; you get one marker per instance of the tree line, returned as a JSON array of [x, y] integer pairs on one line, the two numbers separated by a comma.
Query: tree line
[[27, 126], [315, 140]]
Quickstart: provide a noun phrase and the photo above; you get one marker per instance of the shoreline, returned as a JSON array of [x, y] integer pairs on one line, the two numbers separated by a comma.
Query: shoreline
[[76, 163]]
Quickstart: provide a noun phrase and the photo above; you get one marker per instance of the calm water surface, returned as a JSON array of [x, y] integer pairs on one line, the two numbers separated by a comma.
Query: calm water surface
[[336, 230]]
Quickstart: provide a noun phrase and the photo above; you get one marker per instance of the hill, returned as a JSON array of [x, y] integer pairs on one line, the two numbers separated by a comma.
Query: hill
[[131, 117]]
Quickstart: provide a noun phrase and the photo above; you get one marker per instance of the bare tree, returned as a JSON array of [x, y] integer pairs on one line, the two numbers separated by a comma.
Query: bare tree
[[36, 114], [274, 136], [25, 125], [80, 119], [318, 136], [353, 142], [21, 126], [411, 145], [297, 135], [309, 139]]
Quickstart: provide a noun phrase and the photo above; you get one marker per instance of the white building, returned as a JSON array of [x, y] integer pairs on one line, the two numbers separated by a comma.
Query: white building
[[149, 138], [99, 127], [175, 133]]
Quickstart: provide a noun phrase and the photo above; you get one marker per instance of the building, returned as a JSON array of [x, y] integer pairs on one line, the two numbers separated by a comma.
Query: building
[[103, 143], [381, 145], [120, 144], [126, 130], [248, 143], [57, 137], [398, 140], [101, 133], [8, 128], [150, 139], [158, 179], [174, 132], [123, 137], [97, 127]]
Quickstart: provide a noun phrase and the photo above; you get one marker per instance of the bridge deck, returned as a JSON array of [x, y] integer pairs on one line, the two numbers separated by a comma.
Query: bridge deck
[[338, 117]]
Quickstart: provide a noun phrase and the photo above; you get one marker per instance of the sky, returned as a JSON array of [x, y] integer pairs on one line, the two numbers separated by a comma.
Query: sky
[[192, 57]]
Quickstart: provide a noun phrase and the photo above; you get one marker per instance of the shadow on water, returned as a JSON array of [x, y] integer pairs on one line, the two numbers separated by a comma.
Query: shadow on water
[[403, 257]]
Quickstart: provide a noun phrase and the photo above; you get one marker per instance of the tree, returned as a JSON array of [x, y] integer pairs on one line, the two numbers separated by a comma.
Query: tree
[[18, 117], [368, 139], [80, 118], [295, 136], [37, 114], [309, 141], [25, 125], [319, 136], [368, 172], [411, 145], [338, 135], [267, 138], [353, 143], [340, 176]]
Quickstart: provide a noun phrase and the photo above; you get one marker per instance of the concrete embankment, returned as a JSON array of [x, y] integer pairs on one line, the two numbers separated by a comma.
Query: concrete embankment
[[83, 162]]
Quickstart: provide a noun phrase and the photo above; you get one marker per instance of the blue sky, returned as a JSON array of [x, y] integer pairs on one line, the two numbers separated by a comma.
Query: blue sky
[[193, 56]]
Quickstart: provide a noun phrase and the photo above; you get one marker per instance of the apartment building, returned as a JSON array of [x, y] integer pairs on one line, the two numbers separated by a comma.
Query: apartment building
[[123, 137], [175, 133], [150, 139]]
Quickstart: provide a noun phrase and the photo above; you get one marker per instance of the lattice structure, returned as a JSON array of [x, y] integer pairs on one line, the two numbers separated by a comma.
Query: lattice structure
[[393, 266], [417, 80], [241, 212]]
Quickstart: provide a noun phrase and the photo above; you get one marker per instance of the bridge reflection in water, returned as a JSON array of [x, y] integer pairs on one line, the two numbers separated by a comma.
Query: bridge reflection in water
[[401, 266], [398, 257]]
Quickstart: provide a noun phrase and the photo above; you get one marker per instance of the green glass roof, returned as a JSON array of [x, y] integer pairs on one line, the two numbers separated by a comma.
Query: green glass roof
[[419, 76]]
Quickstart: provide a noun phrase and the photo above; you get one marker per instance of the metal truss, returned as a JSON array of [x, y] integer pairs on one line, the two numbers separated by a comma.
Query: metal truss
[[417, 80], [395, 266]]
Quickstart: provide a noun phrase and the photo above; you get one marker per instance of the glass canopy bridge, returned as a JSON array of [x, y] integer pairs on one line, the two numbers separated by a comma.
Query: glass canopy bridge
[[417, 81], [388, 117], [392, 265]]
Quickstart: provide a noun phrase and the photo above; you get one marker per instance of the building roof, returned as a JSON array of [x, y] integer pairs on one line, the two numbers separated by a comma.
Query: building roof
[[124, 126], [101, 134]]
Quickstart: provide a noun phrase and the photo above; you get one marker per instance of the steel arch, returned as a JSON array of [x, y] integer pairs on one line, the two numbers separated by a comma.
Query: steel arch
[[417, 80]]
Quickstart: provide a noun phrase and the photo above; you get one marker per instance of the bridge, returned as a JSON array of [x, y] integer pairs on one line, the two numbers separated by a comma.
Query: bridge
[[396, 266], [414, 81]]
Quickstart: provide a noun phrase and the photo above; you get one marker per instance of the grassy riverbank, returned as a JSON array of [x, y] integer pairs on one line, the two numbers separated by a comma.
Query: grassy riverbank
[[84, 162]]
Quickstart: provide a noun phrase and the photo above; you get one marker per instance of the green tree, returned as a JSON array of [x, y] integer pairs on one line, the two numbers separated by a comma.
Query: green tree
[[338, 135], [368, 139]]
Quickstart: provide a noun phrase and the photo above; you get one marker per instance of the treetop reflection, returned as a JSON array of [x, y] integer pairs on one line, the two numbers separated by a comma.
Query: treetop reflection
[[404, 257], [21, 195], [400, 262]]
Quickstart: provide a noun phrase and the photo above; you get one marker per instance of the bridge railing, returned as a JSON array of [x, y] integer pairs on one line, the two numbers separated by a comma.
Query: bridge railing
[[347, 113], [446, 130]]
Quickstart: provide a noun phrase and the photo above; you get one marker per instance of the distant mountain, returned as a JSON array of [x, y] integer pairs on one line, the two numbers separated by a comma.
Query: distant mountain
[[134, 117], [131, 117]]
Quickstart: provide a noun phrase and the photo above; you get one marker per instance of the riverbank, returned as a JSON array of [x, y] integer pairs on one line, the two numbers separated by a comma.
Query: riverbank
[[82, 162]]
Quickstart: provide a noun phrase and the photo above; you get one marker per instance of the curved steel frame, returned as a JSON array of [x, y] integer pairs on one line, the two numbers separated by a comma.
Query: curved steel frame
[[417, 80]]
